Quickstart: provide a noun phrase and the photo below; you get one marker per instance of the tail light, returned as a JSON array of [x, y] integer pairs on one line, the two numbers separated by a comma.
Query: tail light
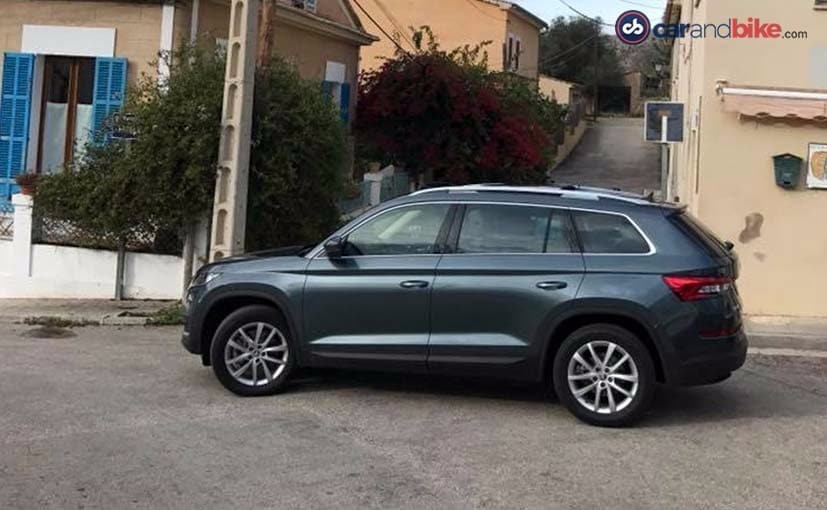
[[693, 288]]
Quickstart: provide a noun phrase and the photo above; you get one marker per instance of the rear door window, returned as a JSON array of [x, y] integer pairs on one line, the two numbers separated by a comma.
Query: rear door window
[[602, 233], [492, 228]]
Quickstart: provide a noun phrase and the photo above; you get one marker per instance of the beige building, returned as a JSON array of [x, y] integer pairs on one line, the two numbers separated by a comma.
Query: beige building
[[561, 91], [748, 100], [66, 64], [514, 33]]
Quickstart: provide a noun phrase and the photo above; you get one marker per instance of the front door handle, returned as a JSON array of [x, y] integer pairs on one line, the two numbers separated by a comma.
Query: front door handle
[[552, 285], [414, 284]]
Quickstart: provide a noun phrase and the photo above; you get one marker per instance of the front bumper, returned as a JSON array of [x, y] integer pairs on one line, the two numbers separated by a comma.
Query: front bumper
[[190, 339], [190, 344], [713, 361]]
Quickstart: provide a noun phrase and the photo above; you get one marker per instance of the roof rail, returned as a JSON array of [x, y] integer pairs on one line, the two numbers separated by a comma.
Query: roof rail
[[568, 191]]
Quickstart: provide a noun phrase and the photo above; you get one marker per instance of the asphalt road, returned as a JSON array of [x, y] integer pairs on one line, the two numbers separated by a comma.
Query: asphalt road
[[124, 418], [612, 154]]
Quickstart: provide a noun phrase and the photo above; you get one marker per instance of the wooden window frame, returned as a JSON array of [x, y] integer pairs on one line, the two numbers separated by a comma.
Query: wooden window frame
[[71, 105]]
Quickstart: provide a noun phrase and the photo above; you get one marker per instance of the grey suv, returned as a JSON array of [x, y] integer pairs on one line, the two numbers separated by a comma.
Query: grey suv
[[599, 294]]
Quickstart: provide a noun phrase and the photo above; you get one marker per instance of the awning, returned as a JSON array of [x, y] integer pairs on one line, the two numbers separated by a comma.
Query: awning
[[803, 104]]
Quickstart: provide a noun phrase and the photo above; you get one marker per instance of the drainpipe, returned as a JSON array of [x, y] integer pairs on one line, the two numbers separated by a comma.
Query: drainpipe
[[196, 8], [167, 27]]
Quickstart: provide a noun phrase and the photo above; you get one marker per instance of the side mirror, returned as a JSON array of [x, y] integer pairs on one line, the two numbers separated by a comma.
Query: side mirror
[[335, 247]]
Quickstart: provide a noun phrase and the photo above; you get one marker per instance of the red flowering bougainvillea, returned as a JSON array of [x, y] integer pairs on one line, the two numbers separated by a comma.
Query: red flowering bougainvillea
[[443, 114]]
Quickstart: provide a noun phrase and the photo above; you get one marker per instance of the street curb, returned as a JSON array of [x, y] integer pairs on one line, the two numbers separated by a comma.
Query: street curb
[[796, 342], [114, 320], [770, 351], [78, 321]]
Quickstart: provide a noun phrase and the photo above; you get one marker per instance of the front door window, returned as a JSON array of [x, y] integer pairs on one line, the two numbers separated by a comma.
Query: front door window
[[66, 113], [405, 231]]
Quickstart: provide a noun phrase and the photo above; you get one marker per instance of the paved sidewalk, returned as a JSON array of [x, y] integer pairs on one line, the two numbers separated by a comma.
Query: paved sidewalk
[[802, 333], [80, 311]]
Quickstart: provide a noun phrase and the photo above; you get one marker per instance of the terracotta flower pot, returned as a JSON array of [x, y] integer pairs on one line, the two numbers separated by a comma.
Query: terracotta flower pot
[[27, 183]]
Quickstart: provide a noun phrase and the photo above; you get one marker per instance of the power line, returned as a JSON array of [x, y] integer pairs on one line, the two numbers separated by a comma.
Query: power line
[[394, 41], [477, 8], [386, 11], [584, 15], [642, 4], [566, 52], [562, 62]]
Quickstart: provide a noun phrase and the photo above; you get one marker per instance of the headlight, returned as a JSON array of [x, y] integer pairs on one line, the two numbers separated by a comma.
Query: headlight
[[204, 277]]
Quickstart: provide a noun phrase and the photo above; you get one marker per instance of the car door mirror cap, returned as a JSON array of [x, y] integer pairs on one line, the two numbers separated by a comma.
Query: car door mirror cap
[[335, 247]]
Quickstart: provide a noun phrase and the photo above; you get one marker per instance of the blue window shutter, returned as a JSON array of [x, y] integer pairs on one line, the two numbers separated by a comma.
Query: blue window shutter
[[110, 89], [327, 89], [345, 103], [15, 110]]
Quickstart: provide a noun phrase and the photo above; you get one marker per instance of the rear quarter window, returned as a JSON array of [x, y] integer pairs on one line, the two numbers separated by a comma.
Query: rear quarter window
[[602, 233], [699, 233]]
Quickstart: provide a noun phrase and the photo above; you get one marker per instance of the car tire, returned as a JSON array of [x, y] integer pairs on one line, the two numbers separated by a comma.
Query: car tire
[[257, 368], [585, 382]]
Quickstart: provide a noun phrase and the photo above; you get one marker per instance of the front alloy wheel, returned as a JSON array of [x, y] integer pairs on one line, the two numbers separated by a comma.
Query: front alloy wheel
[[256, 354], [604, 375], [251, 351]]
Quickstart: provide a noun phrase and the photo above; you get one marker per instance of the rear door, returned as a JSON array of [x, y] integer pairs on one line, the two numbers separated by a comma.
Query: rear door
[[509, 269]]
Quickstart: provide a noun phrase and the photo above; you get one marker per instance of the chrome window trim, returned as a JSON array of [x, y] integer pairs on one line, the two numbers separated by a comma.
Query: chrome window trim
[[317, 252]]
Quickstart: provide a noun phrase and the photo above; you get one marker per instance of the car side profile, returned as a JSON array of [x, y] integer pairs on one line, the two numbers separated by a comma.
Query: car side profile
[[599, 294]]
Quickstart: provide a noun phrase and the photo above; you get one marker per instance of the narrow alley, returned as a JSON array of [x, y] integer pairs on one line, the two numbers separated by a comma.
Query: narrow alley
[[613, 154]]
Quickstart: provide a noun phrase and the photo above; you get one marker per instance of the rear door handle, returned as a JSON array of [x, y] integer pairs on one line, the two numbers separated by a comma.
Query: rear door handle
[[552, 285], [414, 284]]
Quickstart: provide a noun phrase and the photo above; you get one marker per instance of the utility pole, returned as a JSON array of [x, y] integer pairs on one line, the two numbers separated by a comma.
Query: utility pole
[[230, 205], [664, 158], [265, 45]]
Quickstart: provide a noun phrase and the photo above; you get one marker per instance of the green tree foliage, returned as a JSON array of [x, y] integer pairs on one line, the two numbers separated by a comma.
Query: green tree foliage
[[443, 114], [297, 163], [567, 52], [653, 59], [164, 179]]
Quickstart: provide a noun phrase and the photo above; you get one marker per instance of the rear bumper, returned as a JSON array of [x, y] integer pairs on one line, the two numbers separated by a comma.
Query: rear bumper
[[713, 361]]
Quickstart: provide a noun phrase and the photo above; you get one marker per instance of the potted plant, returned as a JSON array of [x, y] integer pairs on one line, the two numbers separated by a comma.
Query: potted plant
[[27, 182]]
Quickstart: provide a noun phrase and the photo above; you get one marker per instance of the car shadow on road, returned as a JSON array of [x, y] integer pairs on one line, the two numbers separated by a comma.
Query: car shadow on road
[[329, 379], [746, 396]]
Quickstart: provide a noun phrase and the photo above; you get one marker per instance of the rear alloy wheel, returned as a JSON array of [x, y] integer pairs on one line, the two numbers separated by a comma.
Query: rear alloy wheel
[[251, 352], [604, 375]]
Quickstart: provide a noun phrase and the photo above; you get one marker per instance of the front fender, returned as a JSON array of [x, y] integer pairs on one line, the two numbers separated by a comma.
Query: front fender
[[281, 290]]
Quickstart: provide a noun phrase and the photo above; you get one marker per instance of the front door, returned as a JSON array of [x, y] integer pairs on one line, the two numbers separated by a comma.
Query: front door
[[370, 307], [511, 270]]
